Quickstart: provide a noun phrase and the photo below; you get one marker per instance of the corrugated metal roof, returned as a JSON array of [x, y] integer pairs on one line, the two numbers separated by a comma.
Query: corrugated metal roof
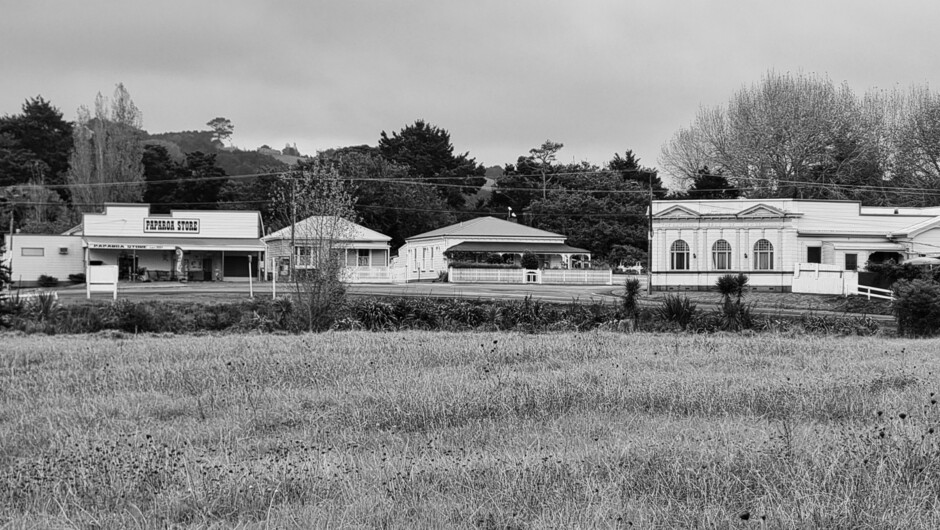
[[487, 227], [345, 229], [497, 246]]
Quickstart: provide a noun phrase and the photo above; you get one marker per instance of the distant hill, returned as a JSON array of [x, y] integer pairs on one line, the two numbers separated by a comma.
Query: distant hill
[[189, 141], [233, 161]]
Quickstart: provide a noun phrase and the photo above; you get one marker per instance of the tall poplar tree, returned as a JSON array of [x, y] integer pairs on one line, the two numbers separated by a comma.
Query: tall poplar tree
[[106, 163]]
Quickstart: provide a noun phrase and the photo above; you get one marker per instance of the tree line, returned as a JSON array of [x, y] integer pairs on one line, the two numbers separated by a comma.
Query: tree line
[[411, 181], [790, 135], [803, 136]]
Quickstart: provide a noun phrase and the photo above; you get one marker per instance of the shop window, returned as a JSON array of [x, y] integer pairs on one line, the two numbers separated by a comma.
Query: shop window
[[851, 262], [721, 255], [35, 252], [679, 255], [813, 254], [763, 255]]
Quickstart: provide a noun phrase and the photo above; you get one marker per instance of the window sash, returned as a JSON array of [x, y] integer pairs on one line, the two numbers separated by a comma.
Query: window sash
[[764, 260], [680, 260], [721, 259], [851, 262]]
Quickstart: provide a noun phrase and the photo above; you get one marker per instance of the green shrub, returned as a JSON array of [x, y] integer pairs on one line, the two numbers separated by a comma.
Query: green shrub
[[631, 296], [11, 307], [530, 260], [77, 278], [47, 281], [477, 265], [734, 314], [917, 307], [5, 278], [678, 309], [43, 307]]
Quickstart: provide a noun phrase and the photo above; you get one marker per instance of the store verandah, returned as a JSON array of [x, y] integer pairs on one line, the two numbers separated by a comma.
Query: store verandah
[[177, 259]]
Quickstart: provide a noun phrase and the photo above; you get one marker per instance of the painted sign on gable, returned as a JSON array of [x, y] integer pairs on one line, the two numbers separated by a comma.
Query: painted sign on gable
[[167, 225]]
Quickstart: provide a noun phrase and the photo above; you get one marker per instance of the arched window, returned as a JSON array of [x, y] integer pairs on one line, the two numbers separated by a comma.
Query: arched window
[[721, 255], [679, 255], [763, 255]]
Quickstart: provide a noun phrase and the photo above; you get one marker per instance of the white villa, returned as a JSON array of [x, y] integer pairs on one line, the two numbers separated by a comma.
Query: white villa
[[365, 251], [426, 255], [772, 240]]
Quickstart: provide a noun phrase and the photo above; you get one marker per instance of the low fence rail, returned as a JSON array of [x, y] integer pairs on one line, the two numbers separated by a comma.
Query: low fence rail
[[537, 276], [874, 292]]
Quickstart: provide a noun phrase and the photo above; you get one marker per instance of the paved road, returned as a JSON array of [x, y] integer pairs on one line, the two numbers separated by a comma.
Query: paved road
[[228, 291], [233, 291]]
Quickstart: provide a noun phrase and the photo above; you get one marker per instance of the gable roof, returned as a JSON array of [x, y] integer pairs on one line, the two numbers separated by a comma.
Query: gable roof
[[311, 225], [915, 229], [487, 227]]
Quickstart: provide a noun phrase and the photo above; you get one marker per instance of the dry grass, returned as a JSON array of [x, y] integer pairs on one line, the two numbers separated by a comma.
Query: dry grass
[[469, 430]]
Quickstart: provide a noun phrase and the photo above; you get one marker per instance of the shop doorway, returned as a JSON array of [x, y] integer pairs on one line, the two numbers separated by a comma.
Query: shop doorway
[[235, 267], [127, 267]]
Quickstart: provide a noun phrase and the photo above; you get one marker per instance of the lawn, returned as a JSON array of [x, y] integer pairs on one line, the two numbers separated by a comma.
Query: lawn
[[469, 430]]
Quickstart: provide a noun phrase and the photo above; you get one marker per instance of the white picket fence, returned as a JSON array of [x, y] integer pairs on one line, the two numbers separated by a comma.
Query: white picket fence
[[538, 276], [578, 276], [367, 275], [485, 275]]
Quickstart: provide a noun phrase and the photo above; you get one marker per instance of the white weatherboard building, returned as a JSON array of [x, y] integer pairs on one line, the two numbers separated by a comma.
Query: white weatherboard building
[[192, 245], [425, 256], [775, 241], [365, 252]]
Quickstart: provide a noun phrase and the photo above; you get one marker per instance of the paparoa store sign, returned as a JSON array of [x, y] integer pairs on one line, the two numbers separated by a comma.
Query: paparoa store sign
[[164, 225]]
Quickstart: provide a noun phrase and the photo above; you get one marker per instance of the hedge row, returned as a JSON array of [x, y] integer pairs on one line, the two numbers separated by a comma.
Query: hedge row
[[392, 314]]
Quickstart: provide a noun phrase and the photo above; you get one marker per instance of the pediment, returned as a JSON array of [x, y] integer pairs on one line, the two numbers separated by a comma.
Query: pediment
[[677, 212], [761, 210]]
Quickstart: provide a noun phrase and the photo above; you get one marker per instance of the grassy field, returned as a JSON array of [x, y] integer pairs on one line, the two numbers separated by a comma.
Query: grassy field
[[469, 430]]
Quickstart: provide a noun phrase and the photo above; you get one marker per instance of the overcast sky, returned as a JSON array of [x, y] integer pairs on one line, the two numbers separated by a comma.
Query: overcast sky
[[501, 76]]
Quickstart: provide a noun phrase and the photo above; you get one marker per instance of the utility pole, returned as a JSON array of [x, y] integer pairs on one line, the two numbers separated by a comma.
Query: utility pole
[[293, 222], [649, 244]]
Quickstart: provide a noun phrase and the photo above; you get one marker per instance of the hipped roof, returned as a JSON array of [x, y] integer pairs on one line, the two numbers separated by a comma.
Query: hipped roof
[[488, 227], [346, 229]]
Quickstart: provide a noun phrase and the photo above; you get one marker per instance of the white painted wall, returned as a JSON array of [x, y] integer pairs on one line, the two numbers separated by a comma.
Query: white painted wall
[[815, 278], [840, 228], [27, 269], [128, 220]]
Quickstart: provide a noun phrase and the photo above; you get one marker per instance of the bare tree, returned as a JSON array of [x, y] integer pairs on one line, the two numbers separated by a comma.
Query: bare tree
[[316, 203], [106, 162], [776, 137], [918, 139]]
